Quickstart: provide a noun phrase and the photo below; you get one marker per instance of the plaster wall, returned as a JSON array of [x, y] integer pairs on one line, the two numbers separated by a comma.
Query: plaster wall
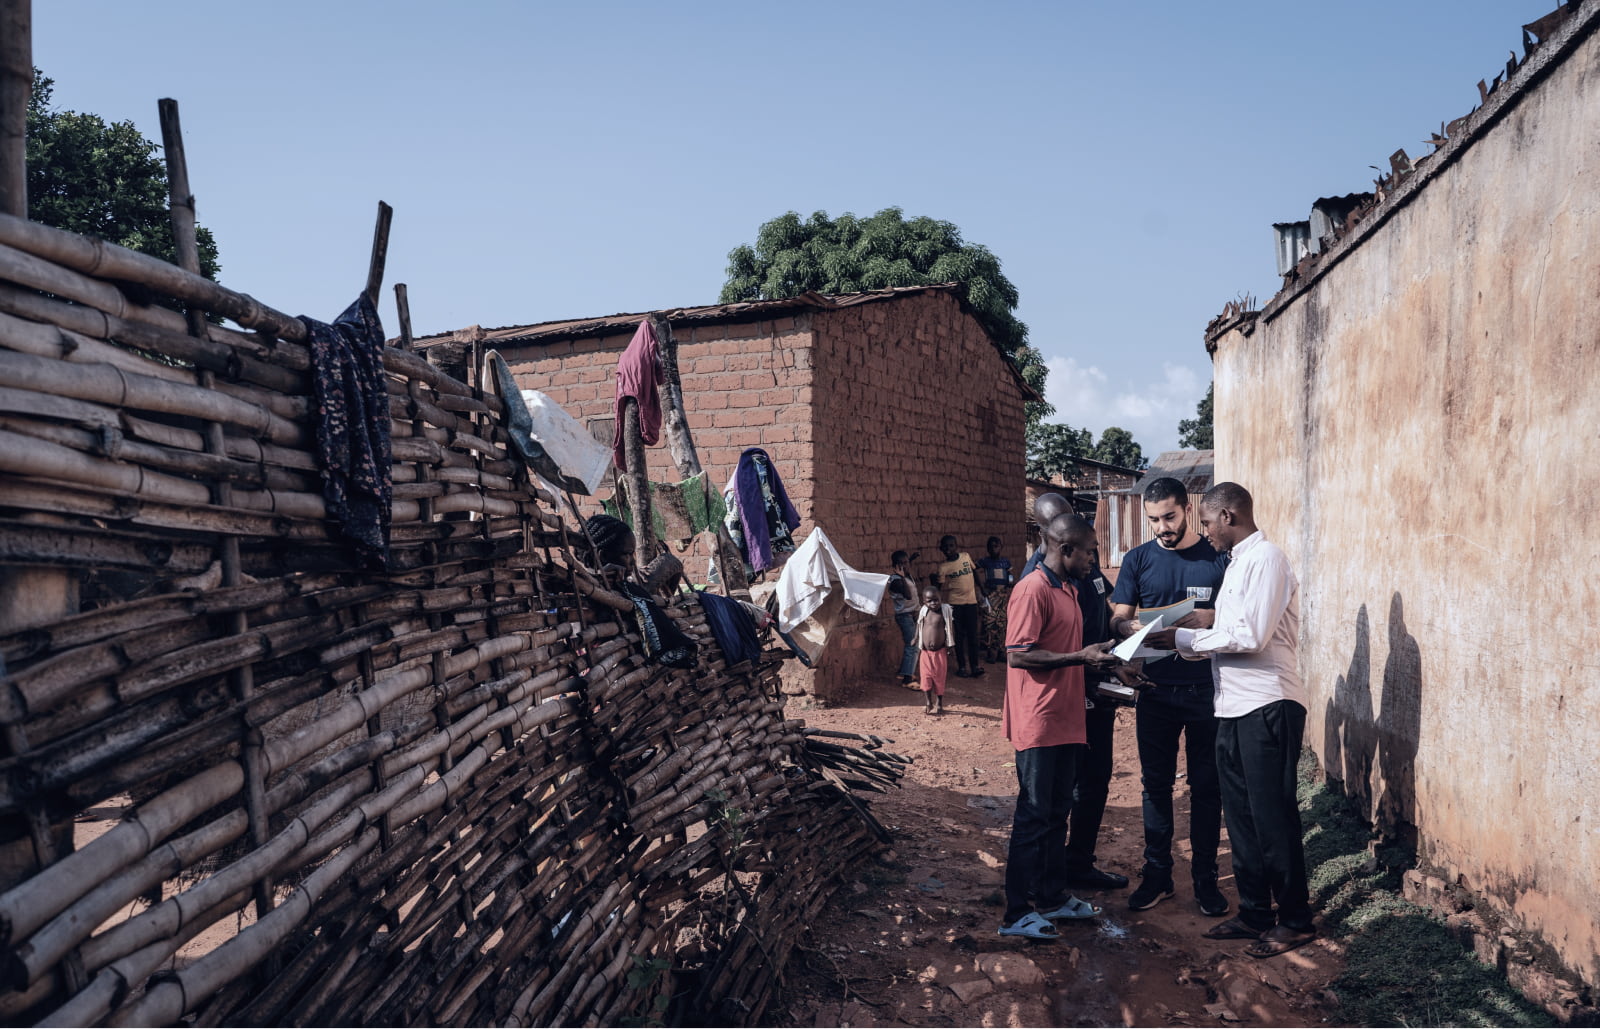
[[1419, 429]]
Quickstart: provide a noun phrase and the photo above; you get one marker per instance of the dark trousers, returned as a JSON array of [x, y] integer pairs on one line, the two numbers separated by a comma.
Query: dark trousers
[[1036, 861], [1094, 784], [968, 641], [1162, 714], [1257, 755], [907, 621]]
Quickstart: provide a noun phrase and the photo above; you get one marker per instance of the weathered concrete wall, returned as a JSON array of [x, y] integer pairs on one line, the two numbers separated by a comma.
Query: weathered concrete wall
[[1418, 427], [919, 430]]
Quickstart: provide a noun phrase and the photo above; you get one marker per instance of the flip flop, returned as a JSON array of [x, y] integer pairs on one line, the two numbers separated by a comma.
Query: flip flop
[[1232, 929], [1072, 907], [1280, 939], [1032, 926]]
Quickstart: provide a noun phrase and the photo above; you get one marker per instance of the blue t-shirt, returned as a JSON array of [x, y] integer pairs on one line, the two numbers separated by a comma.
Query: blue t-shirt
[[996, 571], [1153, 576]]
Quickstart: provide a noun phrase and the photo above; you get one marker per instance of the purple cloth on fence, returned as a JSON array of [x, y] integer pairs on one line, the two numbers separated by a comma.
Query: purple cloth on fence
[[352, 416], [638, 375], [753, 506]]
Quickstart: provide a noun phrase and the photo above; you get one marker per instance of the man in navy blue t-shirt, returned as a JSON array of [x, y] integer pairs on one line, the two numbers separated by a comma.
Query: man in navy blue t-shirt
[[1175, 566]]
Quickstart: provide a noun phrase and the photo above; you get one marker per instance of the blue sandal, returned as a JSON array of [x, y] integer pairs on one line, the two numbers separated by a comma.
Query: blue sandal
[[1072, 907], [1033, 926]]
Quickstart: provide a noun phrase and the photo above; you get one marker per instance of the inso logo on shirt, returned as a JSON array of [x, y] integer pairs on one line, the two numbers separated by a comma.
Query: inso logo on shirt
[[1099, 587], [1200, 594]]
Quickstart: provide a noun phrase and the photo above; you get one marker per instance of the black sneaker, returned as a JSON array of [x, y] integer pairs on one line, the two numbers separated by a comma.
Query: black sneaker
[[1093, 878], [1212, 903], [1152, 891]]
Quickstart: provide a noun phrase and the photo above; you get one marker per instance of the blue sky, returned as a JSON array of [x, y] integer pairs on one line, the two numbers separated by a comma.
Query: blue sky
[[1125, 161]]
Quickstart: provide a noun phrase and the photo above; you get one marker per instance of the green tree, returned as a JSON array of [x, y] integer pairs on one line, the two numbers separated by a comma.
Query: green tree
[[100, 179], [1195, 433], [1117, 447], [848, 254], [1052, 448]]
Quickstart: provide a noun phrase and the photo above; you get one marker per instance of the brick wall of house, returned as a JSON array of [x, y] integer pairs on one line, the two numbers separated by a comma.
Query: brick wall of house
[[744, 385], [919, 428], [846, 402]]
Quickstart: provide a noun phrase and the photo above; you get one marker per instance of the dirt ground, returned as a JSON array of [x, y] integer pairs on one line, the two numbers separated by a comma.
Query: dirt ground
[[911, 939]]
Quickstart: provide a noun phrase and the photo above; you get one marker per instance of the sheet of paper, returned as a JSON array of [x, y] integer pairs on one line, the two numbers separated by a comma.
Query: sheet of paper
[[1133, 647], [1170, 614]]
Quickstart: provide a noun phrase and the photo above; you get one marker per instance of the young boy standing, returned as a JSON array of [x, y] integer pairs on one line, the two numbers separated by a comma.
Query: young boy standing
[[958, 577], [935, 628], [995, 580]]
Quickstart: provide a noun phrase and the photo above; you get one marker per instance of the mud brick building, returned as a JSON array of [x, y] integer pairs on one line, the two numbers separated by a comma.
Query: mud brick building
[[892, 417]]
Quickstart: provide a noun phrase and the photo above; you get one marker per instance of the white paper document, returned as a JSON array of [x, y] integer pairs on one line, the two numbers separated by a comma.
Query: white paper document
[[1133, 647]]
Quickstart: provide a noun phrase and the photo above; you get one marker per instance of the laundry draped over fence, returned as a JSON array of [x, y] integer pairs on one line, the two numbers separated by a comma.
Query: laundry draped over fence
[[352, 426]]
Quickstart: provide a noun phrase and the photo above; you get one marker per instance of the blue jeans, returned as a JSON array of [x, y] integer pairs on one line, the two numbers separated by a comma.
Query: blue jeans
[[1161, 715], [908, 634], [1036, 861]]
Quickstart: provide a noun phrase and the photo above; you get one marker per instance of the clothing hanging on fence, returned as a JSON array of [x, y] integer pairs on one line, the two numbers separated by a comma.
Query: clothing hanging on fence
[[550, 441], [810, 576], [352, 427], [730, 622], [664, 642], [679, 510], [761, 519], [638, 376]]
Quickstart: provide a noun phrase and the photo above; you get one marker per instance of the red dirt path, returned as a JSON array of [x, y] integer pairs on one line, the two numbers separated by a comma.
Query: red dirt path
[[911, 939]]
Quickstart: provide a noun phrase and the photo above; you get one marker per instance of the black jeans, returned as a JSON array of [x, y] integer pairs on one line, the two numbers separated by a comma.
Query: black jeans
[[1162, 713], [1257, 755], [968, 640], [1036, 861], [1094, 784]]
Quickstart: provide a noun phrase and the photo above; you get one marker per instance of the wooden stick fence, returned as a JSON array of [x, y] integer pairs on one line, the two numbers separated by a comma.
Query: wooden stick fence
[[249, 782]]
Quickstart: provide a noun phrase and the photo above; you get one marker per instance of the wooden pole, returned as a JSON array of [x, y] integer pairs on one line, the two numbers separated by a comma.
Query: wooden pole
[[16, 88], [638, 480], [380, 252], [402, 305], [242, 680], [675, 419]]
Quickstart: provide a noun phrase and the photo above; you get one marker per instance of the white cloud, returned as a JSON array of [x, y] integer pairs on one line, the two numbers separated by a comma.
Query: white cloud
[[1149, 407]]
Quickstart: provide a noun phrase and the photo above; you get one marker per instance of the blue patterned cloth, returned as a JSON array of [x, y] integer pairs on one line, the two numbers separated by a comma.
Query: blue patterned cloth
[[352, 423]]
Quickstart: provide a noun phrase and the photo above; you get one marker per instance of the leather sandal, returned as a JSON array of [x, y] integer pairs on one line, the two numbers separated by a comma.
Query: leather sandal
[[1280, 939], [1232, 929]]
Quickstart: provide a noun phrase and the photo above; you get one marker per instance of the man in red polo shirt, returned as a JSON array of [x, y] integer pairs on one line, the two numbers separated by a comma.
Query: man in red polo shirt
[[1044, 720]]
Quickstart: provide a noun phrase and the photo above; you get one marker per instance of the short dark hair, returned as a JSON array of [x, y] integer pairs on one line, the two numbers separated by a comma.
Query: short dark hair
[[1166, 488], [1229, 496], [947, 538], [992, 539], [1071, 528], [899, 557]]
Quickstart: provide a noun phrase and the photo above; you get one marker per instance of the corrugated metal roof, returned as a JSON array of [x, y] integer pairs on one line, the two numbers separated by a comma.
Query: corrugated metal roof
[[1196, 469]]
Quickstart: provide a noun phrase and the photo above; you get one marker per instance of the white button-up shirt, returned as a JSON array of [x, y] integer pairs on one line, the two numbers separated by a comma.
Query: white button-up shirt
[[1254, 641]]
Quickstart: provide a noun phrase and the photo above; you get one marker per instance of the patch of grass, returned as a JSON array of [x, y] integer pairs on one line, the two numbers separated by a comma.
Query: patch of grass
[[1403, 966]]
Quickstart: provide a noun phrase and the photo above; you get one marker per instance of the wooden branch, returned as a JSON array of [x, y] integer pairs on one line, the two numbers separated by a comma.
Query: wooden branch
[[638, 482], [403, 306], [380, 252], [16, 88]]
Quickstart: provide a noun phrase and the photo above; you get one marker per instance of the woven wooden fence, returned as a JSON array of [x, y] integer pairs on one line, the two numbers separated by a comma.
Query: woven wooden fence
[[249, 783]]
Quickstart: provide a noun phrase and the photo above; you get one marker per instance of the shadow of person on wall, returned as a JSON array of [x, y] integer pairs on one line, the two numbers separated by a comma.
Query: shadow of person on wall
[[1399, 728], [1349, 735]]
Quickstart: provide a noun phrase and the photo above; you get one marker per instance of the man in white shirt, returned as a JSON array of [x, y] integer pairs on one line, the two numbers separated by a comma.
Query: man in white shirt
[[1261, 716]]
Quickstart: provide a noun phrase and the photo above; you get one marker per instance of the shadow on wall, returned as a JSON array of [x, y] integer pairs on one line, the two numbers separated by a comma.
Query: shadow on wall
[[1399, 727], [1349, 734], [1354, 740]]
